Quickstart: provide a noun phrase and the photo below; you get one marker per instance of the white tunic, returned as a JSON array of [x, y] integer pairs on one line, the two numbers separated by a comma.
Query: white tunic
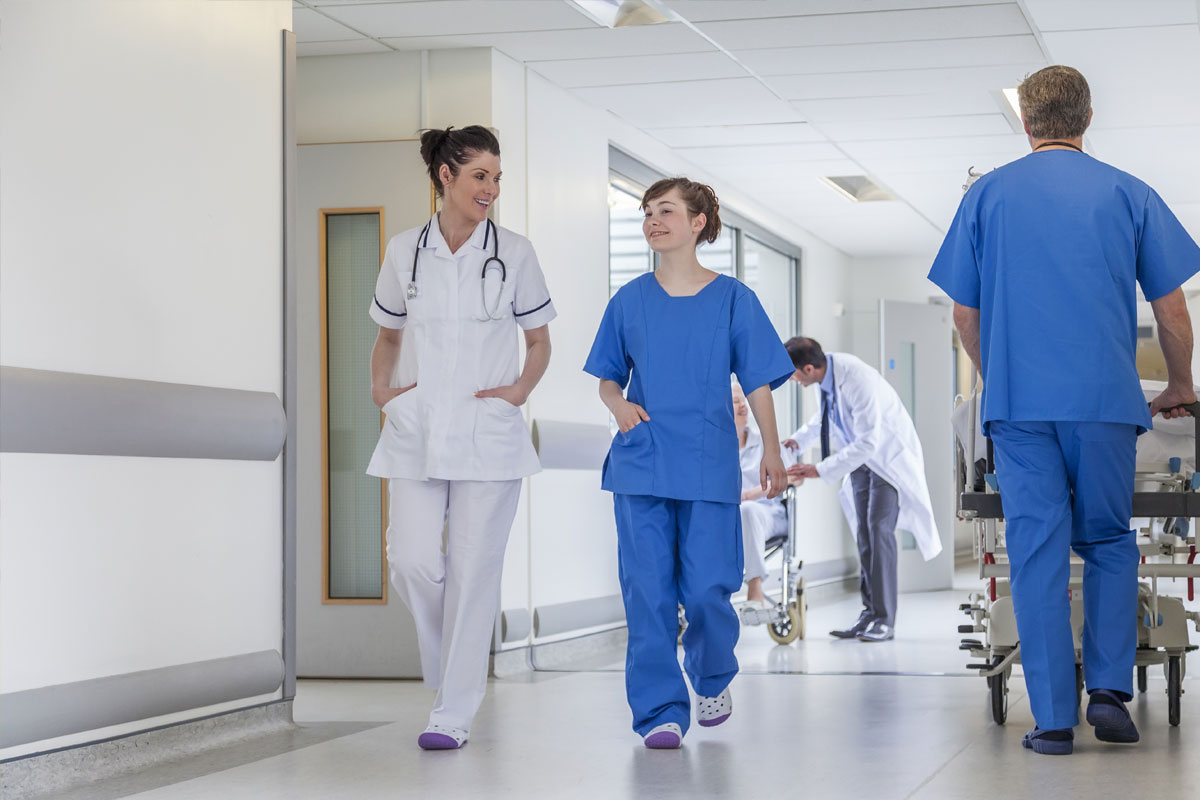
[[451, 349]]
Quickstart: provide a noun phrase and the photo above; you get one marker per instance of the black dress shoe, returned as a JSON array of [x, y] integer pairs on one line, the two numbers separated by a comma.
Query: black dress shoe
[[864, 620], [878, 632]]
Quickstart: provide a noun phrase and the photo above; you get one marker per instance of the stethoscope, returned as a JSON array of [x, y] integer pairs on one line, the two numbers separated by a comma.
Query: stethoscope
[[493, 262]]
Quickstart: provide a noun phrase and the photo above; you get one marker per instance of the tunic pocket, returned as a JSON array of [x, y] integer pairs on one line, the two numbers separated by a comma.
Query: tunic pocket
[[399, 411]]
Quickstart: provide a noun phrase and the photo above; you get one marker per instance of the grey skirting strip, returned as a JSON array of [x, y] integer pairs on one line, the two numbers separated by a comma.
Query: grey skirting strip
[[35, 715], [514, 625], [577, 615], [66, 412]]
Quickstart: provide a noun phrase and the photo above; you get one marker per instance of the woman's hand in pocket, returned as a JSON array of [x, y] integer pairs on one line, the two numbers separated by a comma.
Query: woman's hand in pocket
[[629, 416], [382, 395]]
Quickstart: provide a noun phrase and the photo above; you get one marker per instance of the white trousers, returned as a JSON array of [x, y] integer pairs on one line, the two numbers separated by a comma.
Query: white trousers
[[759, 522], [453, 593]]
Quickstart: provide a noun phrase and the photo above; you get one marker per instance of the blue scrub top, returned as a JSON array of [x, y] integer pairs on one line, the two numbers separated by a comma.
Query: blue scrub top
[[1049, 249], [676, 354]]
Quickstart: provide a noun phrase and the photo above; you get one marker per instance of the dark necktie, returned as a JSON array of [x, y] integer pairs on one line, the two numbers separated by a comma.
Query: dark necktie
[[826, 402]]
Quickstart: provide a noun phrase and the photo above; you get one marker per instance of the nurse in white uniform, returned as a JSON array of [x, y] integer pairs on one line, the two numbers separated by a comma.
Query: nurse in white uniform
[[445, 370]]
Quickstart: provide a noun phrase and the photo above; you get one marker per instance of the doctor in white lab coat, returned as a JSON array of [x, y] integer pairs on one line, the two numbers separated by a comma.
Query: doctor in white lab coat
[[454, 447], [869, 444]]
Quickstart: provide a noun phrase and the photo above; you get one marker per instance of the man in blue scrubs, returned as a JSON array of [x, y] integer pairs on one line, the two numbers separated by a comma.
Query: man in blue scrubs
[[1043, 261]]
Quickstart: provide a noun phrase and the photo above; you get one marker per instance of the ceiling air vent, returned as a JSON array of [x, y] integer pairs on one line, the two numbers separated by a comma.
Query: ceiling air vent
[[857, 188]]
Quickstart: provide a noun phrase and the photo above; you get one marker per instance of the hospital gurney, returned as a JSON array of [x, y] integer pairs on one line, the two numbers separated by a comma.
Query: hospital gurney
[[1166, 498]]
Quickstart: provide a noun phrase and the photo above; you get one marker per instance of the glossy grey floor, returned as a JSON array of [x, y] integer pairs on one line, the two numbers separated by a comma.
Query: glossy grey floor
[[922, 731]]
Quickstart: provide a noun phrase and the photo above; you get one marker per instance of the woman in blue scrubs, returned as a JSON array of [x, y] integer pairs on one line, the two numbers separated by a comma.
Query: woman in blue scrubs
[[673, 337]]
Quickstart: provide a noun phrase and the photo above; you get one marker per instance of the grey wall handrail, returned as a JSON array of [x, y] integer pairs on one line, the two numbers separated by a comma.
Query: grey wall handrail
[[34, 715], [70, 413]]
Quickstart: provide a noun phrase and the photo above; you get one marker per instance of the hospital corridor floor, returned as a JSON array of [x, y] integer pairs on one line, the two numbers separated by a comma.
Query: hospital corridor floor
[[817, 719]]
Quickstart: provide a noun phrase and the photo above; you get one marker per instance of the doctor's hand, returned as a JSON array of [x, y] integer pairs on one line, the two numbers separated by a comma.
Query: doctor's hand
[[803, 471], [790, 444], [381, 395], [629, 416], [772, 475], [1171, 399], [513, 395]]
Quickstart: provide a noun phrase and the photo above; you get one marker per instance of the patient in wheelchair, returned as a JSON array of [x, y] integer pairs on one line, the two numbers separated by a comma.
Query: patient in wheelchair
[[761, 518]]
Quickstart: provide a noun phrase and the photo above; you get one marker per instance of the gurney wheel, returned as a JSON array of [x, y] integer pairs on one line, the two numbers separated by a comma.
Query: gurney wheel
[[790, 630], [1141, 679], [1174, 688], [999, 687]]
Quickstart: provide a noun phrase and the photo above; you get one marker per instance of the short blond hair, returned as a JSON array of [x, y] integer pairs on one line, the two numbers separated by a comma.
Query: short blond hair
[[1056, 103]]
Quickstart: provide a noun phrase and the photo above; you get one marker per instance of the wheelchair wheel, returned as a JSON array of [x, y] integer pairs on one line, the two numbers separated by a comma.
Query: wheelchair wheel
[[789, 630], [1174, 688], [1141, 679], [1078, 683], [998, 684]]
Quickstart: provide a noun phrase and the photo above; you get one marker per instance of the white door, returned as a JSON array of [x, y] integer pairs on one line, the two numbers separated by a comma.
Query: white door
[[916, 358], [374, 190]]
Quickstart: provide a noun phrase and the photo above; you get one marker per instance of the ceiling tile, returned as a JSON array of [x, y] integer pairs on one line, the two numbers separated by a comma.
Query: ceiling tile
[[585, 43], [719, 102], [1137, 75], [892, 107], [583, 72], [768, 153], [975, 125], [347, 48], [1013, 144], [874, 84], [968, 52], [867, 230], [1075, 15], [311, 26], [714, 136], [712, 10], [433, 18], [882, 26], [936, 195]]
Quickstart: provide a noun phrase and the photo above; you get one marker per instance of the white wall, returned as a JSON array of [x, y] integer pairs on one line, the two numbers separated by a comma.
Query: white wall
[[876, 279], [358, 98], [141, 217]]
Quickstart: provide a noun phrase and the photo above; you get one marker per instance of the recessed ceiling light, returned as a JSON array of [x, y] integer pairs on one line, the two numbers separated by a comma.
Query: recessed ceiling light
[[857, 188], [621, 13], [1013, 101]]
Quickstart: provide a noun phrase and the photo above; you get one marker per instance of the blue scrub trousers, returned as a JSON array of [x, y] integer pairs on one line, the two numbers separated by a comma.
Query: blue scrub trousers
[[1069, 486], [671, 552]]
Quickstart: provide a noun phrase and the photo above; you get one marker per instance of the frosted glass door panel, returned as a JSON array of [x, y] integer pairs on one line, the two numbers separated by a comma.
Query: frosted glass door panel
[[355, 498]]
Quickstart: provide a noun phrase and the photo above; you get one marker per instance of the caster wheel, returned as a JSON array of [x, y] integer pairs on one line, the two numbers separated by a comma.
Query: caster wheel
[[790, 629], [998, 685], [1174, 688]]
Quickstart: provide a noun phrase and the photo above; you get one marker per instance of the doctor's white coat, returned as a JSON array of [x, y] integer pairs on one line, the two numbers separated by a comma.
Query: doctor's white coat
[[883, 438]]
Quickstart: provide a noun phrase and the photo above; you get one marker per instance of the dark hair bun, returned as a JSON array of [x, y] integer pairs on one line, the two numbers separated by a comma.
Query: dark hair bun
[[432, 141], [454, 148]]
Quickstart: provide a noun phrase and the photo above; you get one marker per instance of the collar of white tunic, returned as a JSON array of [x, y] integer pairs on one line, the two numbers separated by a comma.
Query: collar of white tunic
[[480, 240]]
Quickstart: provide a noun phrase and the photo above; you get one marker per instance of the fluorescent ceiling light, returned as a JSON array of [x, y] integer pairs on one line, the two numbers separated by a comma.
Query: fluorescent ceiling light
[[620, 13], [1011, 96], [857, 188]]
